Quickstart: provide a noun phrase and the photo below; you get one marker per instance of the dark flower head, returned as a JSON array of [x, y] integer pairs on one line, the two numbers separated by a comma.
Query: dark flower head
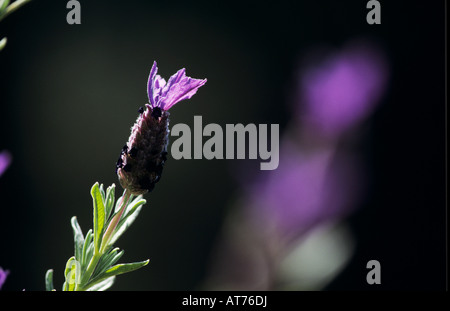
[[141, 161]]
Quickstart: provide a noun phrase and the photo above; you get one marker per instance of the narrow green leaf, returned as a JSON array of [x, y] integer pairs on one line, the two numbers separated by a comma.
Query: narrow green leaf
[[106, 261], [125, 267], [99, 215], [3, 43], [89, 255], [3, 5], [109, 202], [75, 226], [103, 285], [86, 257], [12, 7], [102, 191], [131, 214], [117, 270], [116, 258], [133, 205], [78, 239], [68, 265], [119, 203], [49, 280], [72, 274], [102, 263]]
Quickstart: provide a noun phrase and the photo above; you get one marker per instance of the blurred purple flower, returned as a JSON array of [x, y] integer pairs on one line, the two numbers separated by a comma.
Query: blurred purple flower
[[307, 188], [310, 188], [5, 161], [179, 87], [3, 275], [344, 89], [318, 182]]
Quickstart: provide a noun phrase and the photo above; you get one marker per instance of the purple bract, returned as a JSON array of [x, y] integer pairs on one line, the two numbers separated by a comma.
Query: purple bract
[[179, 87]]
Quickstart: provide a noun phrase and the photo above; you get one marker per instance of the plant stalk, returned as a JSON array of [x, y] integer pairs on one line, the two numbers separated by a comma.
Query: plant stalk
[[115, 221], [13, 7], [105, 241]]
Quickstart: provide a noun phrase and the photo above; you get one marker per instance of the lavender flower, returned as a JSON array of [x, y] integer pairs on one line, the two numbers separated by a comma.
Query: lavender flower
[[5, 161], [3, 275], [318, 183], [307, 189], [343, 90], [142, 159]]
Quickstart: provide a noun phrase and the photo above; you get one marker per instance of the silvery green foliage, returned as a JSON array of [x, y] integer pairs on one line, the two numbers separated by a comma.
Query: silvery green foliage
[[93, 266], [7, 8]]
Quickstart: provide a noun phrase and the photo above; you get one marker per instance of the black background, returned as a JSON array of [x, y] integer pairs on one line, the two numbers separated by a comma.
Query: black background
[[69, 94]]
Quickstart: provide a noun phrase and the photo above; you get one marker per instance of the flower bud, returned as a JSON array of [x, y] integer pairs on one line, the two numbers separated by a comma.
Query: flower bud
[[142, 159]]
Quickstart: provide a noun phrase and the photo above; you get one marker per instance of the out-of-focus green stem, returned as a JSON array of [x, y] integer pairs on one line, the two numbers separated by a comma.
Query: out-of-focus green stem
[[3, 43], [12, 7]]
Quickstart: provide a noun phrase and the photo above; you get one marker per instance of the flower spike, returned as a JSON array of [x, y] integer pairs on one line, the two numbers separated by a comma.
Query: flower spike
[[141, 161]]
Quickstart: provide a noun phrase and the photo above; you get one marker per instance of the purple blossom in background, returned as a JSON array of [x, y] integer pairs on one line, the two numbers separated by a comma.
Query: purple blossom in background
[[307, 189], [317, 184], [316, 181], [342, 90], [5, 161], [3, 275], [179, 87]]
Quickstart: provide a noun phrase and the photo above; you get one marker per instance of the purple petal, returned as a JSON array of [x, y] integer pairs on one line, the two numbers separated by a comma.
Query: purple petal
[[178, 88], [5, 161], [159, 84], [344, 90], [306, 189], [3, 275], [151, 88], [181, 88]]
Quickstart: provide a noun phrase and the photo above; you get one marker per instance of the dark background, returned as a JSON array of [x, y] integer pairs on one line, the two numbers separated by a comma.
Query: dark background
[[70, 93]]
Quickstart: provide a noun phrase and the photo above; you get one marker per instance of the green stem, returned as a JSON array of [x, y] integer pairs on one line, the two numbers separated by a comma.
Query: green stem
[[3, 43], [13, 7], [115, 221], [105, 241], [90, 269]]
